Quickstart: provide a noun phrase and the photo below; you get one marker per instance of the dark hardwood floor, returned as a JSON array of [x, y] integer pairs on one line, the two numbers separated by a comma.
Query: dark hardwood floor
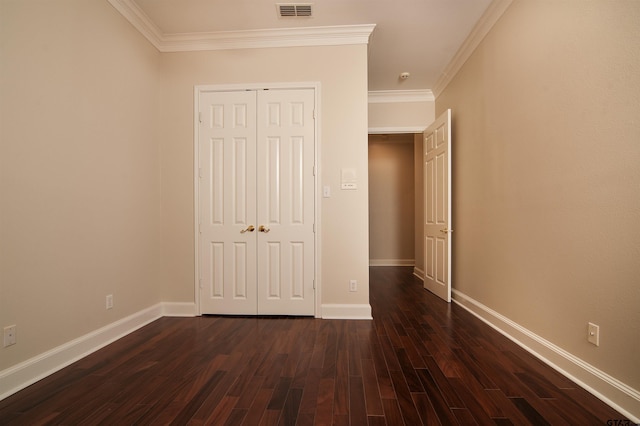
[[420, 361]]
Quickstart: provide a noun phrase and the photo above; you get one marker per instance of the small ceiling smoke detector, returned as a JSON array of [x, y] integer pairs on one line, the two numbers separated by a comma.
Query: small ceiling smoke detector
[[404, 76], [294, 10]]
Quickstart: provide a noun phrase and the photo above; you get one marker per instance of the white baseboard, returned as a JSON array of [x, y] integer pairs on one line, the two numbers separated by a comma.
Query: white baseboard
[[391, 262], [346, 311], [418, 273], [610, 390], [179, 309], [18, 377]]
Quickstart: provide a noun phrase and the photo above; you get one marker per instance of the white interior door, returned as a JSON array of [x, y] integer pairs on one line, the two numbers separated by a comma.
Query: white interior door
[[256, 197], [437, 213], [227, 249], [286, 202]]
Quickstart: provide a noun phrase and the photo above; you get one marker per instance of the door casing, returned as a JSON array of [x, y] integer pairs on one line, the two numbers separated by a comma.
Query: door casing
[[196, 177]]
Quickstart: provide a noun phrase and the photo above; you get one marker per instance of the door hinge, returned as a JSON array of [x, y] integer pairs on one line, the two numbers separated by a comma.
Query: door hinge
[[200, 117], [200, 172], [314, 228], [200, 283], [314, 114], [314, 284], [314, 170]]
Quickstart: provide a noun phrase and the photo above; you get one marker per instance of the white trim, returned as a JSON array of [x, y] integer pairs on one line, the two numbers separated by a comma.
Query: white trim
[[392, 262], [396, 96], [268, 38], [610, 390], [18, 377], [196, 196], [488, 19], [141, 22], [347, 311], [317, 202], [395, 130], [255, 86], [250, 39], [176, 309], [315, 86], [418, 273]]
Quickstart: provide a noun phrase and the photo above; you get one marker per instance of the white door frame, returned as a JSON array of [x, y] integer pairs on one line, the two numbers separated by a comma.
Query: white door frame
[[196, 176], [396, 130], [402, 131], [420, 129]]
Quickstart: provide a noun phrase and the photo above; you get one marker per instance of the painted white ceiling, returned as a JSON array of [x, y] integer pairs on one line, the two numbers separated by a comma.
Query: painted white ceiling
[[416, 36]]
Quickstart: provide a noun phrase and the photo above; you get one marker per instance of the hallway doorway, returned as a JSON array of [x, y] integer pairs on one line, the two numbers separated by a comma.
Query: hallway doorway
[[395, 200]]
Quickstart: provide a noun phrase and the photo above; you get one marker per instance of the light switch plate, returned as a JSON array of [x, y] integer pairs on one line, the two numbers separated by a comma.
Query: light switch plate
[[9, 336], [348, 179], [593, 334]]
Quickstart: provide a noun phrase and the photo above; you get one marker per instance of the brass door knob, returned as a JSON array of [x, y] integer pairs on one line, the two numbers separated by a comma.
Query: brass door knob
[[264, 229], [250, 228]]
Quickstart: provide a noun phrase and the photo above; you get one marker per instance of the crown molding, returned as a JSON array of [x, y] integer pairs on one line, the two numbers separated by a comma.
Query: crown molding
[[249, 39], [254, 39], [395, 96], [488, 19], [136, 17]]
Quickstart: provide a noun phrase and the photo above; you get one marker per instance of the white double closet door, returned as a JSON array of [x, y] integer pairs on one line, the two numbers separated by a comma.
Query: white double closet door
[[256, 200]]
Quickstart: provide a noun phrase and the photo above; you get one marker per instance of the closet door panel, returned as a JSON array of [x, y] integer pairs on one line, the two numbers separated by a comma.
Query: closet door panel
[[227, 144]]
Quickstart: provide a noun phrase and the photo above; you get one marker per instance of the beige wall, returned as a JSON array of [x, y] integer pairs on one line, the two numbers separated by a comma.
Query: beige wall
[[343, 139], [401, 114], [546, 176], [79, 171], [391, 200]]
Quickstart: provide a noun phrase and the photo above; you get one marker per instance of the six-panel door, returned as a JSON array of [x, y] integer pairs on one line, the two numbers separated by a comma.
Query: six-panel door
[[285, 202], [257, 202], [437, 213]]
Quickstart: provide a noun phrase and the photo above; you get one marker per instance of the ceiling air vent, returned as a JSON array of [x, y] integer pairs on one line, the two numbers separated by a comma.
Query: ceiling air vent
[[291, 10]]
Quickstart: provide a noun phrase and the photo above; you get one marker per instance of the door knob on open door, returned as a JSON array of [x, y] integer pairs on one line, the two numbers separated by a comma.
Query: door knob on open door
[[250, 228], [446, 230], [264, 229]]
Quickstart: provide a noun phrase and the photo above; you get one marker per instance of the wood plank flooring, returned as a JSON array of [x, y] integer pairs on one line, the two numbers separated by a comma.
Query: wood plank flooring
[[420, 361]]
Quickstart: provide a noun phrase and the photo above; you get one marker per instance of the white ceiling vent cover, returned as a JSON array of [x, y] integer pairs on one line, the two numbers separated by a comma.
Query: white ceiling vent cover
[[294, 10]]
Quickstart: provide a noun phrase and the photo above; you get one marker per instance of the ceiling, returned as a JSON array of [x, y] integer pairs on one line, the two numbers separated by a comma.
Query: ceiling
[[420, 37]]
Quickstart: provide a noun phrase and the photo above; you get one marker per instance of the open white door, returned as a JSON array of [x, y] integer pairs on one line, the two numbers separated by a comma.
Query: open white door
[[437, 212]]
